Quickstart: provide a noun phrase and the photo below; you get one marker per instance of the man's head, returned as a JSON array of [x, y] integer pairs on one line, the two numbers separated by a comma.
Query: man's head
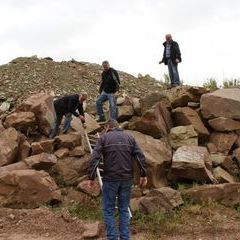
[[168, 37], [83, 97], [111, 124], [105, 65]]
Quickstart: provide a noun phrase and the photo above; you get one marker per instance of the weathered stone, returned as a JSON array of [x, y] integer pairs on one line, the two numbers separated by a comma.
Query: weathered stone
[[222, 176], [222, 124], [5, 106], [158, 155], [2, 128], [217, 159], [70, 140], [187, 116], [136, 106], [92, 125], [190, 163], [28, 187], [42, 161], [14, 166], [71, 169], [155, 122], [62, 153], [227, 194], [183, 135], [211, 148], [193, 104], [221, 103], [9, 140], [158, 200], [41, 105], [92, 230], [180, 96], [43, 146], [125, 112], [77, 152], [22, 121], [223, 141], [92, 191]]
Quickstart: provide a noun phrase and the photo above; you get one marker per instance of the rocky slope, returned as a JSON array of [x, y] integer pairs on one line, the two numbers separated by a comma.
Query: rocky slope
[[23, 76]]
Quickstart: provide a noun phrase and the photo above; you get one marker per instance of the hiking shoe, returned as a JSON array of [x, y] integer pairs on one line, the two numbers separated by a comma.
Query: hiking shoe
[[101, 120]]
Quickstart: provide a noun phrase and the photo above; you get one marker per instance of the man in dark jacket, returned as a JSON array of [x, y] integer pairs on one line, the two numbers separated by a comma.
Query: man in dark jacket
[[171, 57], [67, 106], [109, 86], [118, 150]]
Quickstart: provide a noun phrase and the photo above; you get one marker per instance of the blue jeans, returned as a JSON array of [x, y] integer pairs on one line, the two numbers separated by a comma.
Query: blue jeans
[[112, 104], [57, 123], [110, 191], [173, 73]]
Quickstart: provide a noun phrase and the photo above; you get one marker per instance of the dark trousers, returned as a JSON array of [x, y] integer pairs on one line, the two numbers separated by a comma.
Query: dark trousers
[[57, 123]]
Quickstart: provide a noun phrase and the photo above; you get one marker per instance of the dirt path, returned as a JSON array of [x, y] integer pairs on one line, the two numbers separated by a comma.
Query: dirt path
[[43, 224]]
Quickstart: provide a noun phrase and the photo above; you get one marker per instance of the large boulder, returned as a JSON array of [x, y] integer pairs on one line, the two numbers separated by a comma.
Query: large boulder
[[70, 140], [9, 140], [221, 103], [125, 112], [223, 141], [43, 146], [155, 122], [158, 200], [183, 135], [222, 124], [27, 187], [92, 126], [227, 194], [41, 105], [187, 116], [14, 166], [191, 163], [158, 155], [22, 121], [180, 96], [72, 169], [42, 161]]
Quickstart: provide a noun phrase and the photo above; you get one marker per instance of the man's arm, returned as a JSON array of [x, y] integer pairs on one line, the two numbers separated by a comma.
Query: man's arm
[[95, 159], [178, 53], [116, 78], [140, 158]]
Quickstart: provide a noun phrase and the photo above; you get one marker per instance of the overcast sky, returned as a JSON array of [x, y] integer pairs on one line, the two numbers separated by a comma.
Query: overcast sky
[[129, 33]]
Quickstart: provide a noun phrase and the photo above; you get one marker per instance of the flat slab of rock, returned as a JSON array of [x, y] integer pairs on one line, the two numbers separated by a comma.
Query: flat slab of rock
[[222, 176], [62, 153], [93, 191], [190, 162], [221, 103], [69, 141], [27, 187], [42, 161], [227, 194], [183, 136], [157, 200], [222, 124], [46, 146]]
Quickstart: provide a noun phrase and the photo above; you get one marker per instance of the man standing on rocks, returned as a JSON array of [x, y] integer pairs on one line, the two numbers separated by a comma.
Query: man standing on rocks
[[67, 106], [108, 88], [118, 150], [171, 57]]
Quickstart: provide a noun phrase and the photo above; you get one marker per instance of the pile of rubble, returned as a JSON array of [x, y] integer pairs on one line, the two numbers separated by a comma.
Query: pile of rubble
[[187, 134]]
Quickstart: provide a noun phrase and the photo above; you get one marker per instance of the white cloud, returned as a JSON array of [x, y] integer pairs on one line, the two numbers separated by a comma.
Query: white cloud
[[128, 33]]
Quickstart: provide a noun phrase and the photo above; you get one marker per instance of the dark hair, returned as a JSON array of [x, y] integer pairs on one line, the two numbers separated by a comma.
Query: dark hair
[[105, 62], [112, 124]]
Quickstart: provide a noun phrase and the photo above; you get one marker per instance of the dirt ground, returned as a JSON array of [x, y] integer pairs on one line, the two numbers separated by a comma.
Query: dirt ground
[[45, 224]]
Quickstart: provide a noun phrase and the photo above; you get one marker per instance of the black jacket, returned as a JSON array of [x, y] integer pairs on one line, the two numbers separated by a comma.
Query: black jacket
[[118, 150], [68, 104], [110, 81], [175, 52]]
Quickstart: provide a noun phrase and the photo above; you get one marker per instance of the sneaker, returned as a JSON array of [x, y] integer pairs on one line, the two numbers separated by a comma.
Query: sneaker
[[101, 120]]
